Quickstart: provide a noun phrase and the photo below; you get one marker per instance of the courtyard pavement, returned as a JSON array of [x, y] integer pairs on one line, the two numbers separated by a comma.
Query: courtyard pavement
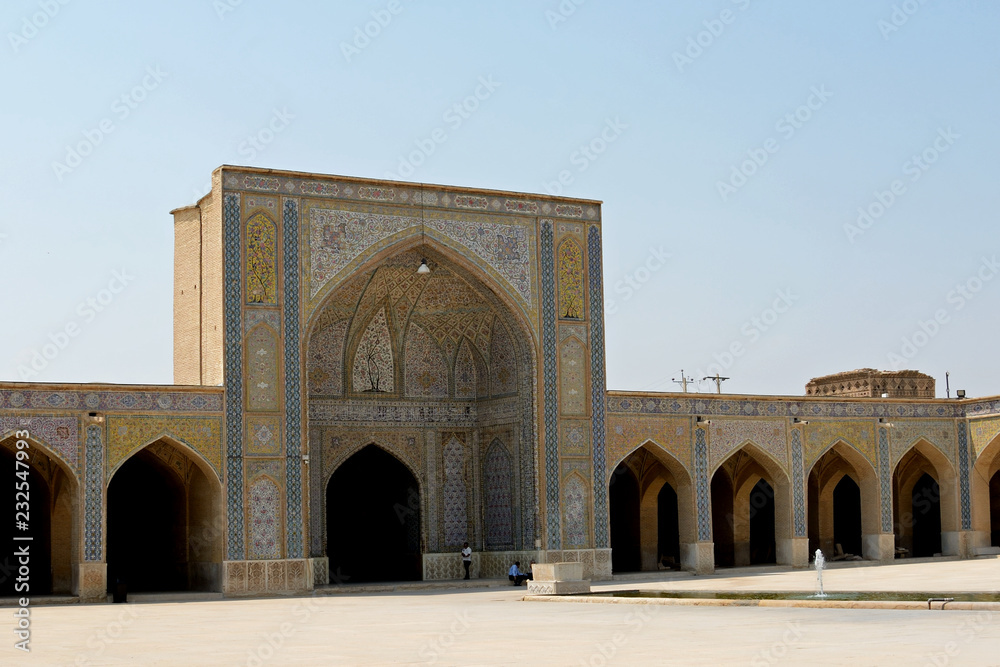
[[494, 626]]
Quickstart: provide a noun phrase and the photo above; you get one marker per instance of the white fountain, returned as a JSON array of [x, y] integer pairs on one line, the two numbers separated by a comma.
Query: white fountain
[[820, 562]]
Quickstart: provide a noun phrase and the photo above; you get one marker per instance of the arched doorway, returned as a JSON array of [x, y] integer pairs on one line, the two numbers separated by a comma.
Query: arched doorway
[[373, 519], [438, 367], [723, 519], [844, 504], [847, 516], [995, 510], [750, 508], [623, 499], [924, 501], [761, 520], [649, 493], [164, 517], [986, 495], [51, 497]]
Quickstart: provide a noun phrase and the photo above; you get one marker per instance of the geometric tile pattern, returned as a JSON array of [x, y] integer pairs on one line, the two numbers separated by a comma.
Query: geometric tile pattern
[[233, 301], [983, 431], [207, 400], [263, 436], [798, 484], [939, 433], [627, 432], [963, 476], [548, 298], [264, 516], [620, 402], [426, 370], [128, 433], [575, 502], [337, 237], [454, 496], [572, 377], [597, 383], [885, 479], [61, 435], [728, 435], [858, 434], [702, 498], [93, 540], [293, 382], [499, 511]]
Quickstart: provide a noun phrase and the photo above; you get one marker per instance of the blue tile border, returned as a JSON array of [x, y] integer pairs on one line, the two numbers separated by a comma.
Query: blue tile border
[[885, 479], [702, 495], [963, 475], [597, 386], [233, 301], [93, 538], [798, 485], [293, 374], [551, 410]]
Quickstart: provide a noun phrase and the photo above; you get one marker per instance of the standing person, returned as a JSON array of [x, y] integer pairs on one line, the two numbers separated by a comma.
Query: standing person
[[466, 558]]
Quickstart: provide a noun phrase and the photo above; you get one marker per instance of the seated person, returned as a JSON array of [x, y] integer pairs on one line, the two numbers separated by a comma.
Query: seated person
[[515, 574]]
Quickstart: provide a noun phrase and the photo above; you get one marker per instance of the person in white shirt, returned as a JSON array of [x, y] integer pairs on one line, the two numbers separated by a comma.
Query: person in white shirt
[[515, 574], [466, 558]]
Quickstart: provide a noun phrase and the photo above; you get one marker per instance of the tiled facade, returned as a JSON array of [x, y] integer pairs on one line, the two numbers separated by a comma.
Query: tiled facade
[[485, 378]]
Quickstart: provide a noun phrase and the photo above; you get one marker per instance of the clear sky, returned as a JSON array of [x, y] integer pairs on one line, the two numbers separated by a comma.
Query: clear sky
[[790, 189]]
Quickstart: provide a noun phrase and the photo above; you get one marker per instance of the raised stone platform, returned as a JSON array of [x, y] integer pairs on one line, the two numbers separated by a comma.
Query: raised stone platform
[[558, 579]]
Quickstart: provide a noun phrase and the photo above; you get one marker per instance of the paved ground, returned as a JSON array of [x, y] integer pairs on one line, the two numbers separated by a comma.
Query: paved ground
[[493, 626]]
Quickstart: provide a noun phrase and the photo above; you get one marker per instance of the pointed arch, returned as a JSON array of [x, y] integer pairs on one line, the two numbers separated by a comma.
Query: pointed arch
[[939, 499], [166, 436], [986, 505], [840, 459]]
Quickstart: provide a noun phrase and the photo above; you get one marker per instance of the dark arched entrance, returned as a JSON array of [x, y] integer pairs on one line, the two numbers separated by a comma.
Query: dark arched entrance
[[623, 496], [165, 523], [146, 548], [926, 517], [762, 524], [723, 520], [36, 513], [847, 515], [668, 524], [373, 519]]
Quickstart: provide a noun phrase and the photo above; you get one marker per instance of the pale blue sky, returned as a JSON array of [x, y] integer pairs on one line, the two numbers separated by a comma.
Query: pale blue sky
[[682, 126]]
